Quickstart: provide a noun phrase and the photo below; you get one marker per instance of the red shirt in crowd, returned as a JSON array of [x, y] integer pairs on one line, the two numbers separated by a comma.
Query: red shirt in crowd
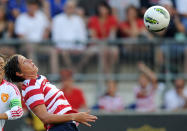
[[126, 25], [102, 30], [75, 97]]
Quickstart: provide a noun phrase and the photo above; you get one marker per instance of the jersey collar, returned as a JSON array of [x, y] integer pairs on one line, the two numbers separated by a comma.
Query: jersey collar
[[3, 81]]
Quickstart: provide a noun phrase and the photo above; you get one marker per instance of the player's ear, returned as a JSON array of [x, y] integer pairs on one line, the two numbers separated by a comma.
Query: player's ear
[[19, 74]]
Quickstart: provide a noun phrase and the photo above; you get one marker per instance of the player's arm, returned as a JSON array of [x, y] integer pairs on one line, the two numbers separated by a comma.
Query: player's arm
[[83, 117], [15, 105], [149, 73], [3, 116], [15, 111]]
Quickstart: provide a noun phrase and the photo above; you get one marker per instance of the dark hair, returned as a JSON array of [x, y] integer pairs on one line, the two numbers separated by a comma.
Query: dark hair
[[11, 67], [35, 2], [131, 7], [106, 5]]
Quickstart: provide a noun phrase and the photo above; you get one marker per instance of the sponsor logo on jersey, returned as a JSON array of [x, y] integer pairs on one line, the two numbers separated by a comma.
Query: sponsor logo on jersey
[[4, 97]]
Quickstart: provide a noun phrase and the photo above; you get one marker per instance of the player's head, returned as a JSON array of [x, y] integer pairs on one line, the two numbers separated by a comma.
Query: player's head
[[111, 88], [103, 9], [2, 64], [131, 12], [179, 85], [70, 7], [67, 77], [32, 6], [18, 68]]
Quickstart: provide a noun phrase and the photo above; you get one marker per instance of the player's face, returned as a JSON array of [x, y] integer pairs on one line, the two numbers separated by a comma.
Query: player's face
[[112, 88], [70, 8], [103, 11], [2, 64], [131, 14], [27, 67]]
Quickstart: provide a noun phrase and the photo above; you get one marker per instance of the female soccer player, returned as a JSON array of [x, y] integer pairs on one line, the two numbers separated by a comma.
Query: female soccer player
[[43, 98], [10, 98]]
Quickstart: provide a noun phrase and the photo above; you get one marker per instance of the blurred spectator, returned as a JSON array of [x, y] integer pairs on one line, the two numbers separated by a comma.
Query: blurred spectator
[[69, 33], [33, 26], [110, 101], [181, 7], [53, 7], [118, 7], [173, 30], [6, 32], [81, 12], [146, 89], [176, 98], [133, 26], [15, 8], [182, 10], [145, 4], [73, 94], [103, 26]]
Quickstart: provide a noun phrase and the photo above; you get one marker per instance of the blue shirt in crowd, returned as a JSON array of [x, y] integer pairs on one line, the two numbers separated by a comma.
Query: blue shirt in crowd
[[56, 6], [20, 5]]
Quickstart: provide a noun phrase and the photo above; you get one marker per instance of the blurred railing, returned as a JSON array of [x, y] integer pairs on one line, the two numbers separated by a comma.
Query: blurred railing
[[131, 51]]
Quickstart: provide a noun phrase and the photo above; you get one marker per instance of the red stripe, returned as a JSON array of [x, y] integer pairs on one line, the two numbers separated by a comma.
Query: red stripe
[[32, 82], [36, 103], [60, 97], [47, 89], [15, 115], [43, 83], [60, 107], [23, 87], [32, 93], [50, 99], [17, 111]]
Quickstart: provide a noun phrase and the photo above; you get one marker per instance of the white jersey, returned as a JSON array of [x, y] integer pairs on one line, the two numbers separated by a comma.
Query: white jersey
[[9, 92]]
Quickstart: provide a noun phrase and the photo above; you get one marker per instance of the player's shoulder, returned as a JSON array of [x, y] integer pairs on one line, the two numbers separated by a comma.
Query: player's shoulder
[[9, 84], [34, 82], [11, 87], [59, 17], [22, 16]]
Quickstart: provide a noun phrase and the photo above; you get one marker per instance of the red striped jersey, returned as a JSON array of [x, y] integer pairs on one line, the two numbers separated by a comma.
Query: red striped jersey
[[145, 102], [40, 91]]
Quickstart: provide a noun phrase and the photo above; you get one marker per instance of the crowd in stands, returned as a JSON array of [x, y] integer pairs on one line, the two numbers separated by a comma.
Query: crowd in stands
[[69, 25]]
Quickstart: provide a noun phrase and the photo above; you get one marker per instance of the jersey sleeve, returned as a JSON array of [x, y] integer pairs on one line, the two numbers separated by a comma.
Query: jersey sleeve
[[15, 106], [33, 95], [15, 97]]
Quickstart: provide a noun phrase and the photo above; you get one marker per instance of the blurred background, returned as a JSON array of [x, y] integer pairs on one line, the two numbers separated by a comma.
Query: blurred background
[[103, 58]]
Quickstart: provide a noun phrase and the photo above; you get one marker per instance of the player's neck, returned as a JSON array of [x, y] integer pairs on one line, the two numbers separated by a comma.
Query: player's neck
[[31, 76]]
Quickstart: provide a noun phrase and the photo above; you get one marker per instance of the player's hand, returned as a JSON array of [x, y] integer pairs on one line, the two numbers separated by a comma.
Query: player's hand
[[84, 118]]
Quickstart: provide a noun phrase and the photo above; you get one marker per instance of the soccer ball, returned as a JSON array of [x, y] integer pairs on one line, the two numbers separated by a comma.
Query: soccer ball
[[156, 18]]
